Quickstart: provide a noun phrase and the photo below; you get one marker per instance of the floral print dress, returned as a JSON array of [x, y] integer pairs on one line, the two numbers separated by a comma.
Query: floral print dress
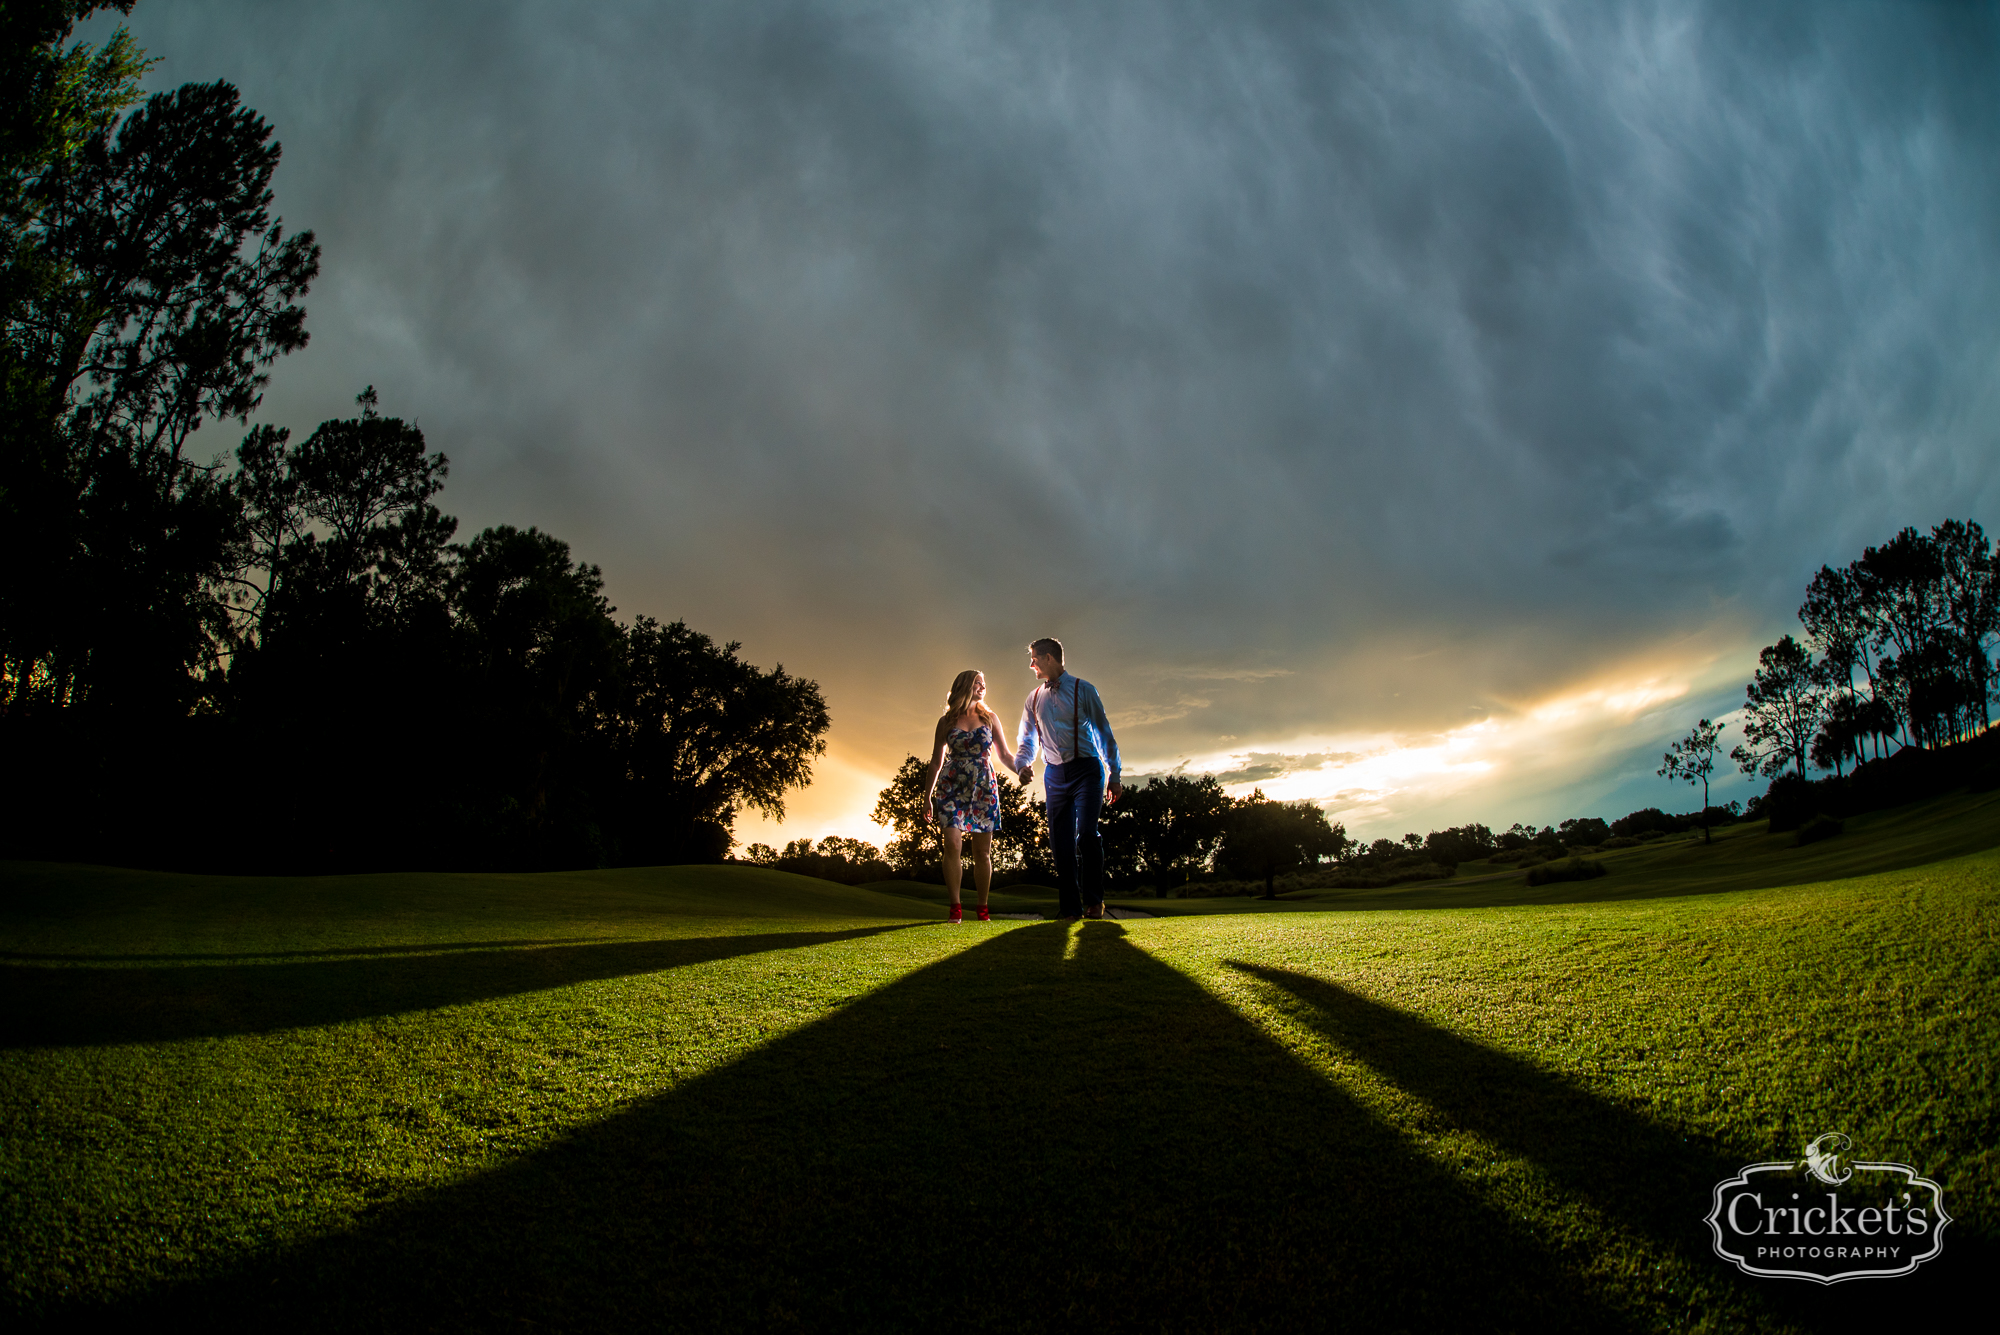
[[968, 792]]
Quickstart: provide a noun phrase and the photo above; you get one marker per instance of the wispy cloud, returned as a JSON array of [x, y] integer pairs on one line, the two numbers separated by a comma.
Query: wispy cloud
[[1142, 714], [1320, 375], [1506, 766], [1215, 673]]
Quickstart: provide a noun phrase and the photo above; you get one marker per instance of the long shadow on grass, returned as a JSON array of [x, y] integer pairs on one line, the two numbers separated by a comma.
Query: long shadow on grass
[[415, 948], [1020, 1136], [44, 1006], [1640, 1173]]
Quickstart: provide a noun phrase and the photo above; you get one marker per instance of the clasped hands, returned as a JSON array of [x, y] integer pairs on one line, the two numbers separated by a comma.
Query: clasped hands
[[1112, 792]]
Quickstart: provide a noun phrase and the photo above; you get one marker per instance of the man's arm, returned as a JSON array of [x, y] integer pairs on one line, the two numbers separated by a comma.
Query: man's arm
[[1097, 719], [1024, 756]]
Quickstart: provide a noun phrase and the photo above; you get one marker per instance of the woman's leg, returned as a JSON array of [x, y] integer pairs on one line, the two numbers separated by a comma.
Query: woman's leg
[[982, 864], [952, 865]]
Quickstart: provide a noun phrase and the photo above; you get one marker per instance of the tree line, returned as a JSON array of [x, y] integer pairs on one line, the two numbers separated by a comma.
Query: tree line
[[1161, 833], [1180, 834], [281, 657], [1889, 685], [1897, 652]]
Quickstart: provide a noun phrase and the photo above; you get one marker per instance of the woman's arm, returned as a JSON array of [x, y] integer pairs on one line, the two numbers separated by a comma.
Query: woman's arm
[[1000, 739], [937, 759]]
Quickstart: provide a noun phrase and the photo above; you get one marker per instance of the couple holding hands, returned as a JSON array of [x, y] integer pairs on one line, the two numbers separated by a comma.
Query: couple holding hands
[[1063, 720]]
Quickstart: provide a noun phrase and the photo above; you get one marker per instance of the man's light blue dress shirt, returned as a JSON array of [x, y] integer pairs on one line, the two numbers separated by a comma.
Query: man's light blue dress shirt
[[1049, 722]]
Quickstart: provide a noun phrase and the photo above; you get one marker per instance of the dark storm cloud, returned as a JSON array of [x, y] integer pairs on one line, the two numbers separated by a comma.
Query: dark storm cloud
[[1363, 365]]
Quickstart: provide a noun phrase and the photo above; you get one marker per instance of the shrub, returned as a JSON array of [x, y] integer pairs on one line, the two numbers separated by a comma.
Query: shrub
[[1346, 876], [1408, 869], [1569, 869], [1821, 826], [1623, 841], [1650, 835], [1788, 803]]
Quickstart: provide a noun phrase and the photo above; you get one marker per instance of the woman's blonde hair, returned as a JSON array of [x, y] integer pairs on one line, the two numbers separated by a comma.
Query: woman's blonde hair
[[961, 693]]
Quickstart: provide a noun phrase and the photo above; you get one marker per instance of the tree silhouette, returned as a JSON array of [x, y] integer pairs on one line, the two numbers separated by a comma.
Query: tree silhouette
[[1022, 841], [1461, 843], [1969, 592], [1838, 627], [1903, 589], [848, 861], [148, 290], [695, 736], [904, 806], [1916, 617], [1786, 703], [1691, 760], [343, 520], [1583, 830], [1851, 721], [1264, 839], [301, 634], [1177, 822]]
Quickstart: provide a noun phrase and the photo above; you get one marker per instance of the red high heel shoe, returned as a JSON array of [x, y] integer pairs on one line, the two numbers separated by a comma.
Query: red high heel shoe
[[957, 914], [985, 914]]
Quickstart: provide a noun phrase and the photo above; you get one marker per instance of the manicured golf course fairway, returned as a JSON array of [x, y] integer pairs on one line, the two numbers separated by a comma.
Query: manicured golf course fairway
[[725, 1097]]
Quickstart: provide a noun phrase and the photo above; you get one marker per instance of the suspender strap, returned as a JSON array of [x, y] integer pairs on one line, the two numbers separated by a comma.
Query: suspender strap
[[1075, 714]]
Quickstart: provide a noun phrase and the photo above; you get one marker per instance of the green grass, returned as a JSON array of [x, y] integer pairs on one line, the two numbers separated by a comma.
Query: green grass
[[694, 1097], [1039, 899], [1741, 857]]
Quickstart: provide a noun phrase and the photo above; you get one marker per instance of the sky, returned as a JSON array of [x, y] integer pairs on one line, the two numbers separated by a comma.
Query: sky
[[1427, 410]]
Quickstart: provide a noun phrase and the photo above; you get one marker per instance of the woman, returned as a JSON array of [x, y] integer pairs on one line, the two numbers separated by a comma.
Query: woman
[[961, 790]]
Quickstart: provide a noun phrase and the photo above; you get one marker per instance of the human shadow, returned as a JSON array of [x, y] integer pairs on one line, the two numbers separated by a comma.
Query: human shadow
[[1029, 1134], [328, 952], [80, 1005], [1636, 1170]]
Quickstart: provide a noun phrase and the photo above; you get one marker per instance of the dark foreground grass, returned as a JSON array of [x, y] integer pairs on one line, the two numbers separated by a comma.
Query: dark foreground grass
[[608, 1101]]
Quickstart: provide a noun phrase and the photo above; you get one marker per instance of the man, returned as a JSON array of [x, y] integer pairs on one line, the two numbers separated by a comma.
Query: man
[[1064, 720]]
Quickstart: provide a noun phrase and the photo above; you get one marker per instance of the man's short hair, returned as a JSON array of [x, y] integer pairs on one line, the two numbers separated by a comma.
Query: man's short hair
[[1053, 648]]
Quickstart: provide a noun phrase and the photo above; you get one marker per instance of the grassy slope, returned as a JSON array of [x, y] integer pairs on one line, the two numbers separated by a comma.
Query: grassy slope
[[102, 910], [1742, 857], [701, 1095]]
